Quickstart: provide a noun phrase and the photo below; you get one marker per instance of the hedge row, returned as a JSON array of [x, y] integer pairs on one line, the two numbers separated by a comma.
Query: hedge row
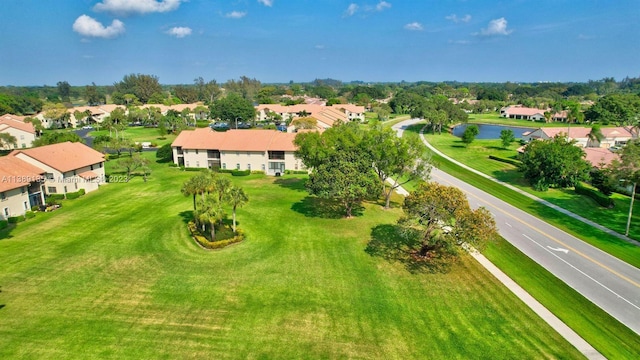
[[299, 172], [205, 243], [599, 197], [4, 224], [75, 195], [505, 160]]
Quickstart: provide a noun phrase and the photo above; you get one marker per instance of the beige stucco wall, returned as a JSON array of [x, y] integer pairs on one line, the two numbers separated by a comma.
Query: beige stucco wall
[[247, 160], [13, 203], [24, 139], [56, 182]]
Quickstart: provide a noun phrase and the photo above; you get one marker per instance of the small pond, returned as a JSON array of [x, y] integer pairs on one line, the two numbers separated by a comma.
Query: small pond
[[491, 131]]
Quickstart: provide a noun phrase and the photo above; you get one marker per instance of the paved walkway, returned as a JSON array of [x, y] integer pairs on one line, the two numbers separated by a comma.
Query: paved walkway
[[533, 197], [565, 331]]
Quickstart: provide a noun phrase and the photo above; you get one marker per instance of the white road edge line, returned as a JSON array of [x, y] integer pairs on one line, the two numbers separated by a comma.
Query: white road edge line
[[582, 272]]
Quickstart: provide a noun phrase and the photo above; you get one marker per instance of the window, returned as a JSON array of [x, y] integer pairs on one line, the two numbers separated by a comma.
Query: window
[[76, 185], [238, 166], [48, 176], [24, 145], [197, 162], [6, 212], [52, 189], [187, 164], [196, 151], [3, 196], [65, 189], [224, 165], [21, 137], [263, 167], [248, 166], [26, 206], [23, 189], [91, 167], [276, 155]]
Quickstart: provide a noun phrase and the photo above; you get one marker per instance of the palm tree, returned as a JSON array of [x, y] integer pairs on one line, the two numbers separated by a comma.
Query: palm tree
[[595, 136], [198, 185], [236, 197], [209, 213]]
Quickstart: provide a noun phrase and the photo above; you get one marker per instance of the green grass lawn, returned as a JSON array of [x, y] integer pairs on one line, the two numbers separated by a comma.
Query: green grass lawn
[[140, 134], [114, 274], [476, 156], [494, 118]]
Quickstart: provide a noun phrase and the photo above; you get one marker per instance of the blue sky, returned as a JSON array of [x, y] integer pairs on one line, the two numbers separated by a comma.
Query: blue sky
[[84, 41]]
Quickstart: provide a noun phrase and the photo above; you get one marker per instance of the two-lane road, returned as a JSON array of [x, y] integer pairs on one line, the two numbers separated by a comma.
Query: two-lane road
[[605, 280]]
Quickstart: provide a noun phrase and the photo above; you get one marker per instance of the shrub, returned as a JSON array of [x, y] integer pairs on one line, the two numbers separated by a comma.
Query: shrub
[[505, 160], [3, 224], [299, 172], [81, 192], [257, 172], [205, 243], [226, 171], [15, 219], [173, 165], [193, 169], [164, 153], [240, 172], [599, 197], [73, 195], [29, 214]]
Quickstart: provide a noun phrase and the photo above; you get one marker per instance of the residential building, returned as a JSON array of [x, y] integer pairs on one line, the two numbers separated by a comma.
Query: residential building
[[270, 151], [14, 125], [67, 167], [614, 136], [20, 187], [524, 113], [325, 116]]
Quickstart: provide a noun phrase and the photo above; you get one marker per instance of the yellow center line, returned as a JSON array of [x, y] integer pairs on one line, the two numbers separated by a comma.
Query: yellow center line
[[631, 281]]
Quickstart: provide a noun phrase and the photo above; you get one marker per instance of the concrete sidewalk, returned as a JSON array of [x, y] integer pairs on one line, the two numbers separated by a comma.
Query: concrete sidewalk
[[533, 197], [565, 331]]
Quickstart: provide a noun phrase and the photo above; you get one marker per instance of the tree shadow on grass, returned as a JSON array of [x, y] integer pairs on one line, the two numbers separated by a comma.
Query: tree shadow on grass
[[186, 216], [388, 242], [291, 183], [312, 206], [6, 232]]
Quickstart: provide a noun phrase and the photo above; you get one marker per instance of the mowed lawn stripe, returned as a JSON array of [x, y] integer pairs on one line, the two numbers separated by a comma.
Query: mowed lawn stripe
[[116, 275]]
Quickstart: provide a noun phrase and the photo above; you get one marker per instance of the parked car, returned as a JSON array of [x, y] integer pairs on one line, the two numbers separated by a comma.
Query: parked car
[[87, 127]]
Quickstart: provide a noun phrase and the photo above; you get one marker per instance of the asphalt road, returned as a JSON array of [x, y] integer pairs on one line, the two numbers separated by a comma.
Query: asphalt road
[[608, 282]]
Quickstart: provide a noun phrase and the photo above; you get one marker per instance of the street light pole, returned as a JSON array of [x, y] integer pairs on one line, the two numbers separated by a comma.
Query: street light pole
[[238, 117], [633, 196]]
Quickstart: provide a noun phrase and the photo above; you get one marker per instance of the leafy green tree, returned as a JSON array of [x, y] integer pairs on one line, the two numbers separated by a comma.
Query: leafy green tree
[[439, 223], [236, 198], [7, 141], [132, 163], [619, 109], [57, 137], [507, 137], [93, 96], [470, 134], [231, 107], [141, 85], [627, 170], [305, 123], [397, 159], [165, 153], [554, 162], [64, 90], [345, 177]]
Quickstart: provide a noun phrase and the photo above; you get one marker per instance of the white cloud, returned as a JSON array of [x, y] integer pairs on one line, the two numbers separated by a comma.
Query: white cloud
[[453, 17], [236, 14], [179, 31], [496, 27], [126, 7], [351, 10], [382, 5], [88, 26], [268, 3], [414, 26]]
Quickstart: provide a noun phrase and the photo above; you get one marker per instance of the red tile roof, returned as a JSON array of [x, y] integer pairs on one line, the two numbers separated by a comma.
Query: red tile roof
[[64, 157], [17, 123], [235, 140], [15, 173]]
